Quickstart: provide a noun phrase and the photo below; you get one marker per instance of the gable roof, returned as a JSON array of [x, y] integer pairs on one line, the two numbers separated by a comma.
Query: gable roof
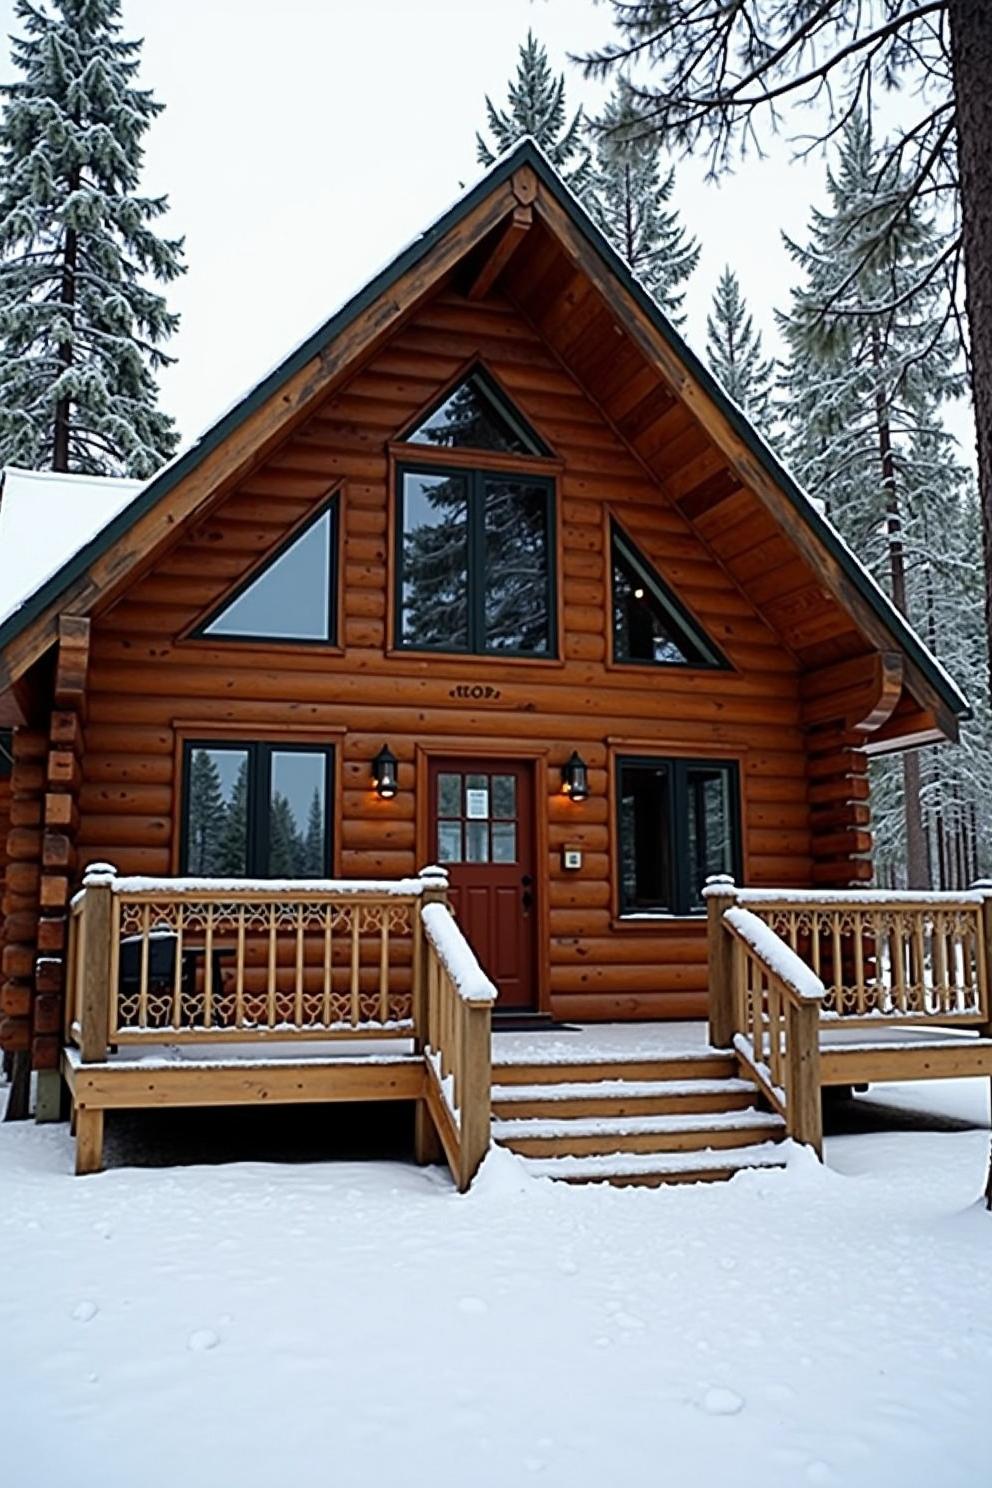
[[855, 583]]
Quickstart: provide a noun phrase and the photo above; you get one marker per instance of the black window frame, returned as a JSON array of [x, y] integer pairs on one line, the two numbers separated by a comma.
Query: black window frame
[[330, 505], [476, 477], [490, 388], [259, 796], [678, 767], [681, 617]]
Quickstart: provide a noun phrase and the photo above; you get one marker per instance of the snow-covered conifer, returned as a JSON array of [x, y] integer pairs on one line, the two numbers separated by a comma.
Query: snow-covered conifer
[[81, 327], [628, 196], [861, 395], [536, 106], [733, 350]]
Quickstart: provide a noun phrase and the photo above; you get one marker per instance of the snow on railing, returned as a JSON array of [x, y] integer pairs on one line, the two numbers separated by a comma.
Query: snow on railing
[[777, 1022], [457, 1017]]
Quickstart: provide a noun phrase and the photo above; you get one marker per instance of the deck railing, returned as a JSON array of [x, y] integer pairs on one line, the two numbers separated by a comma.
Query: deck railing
[[194, 961], [778, 1000], [175, 960], [458, 999]]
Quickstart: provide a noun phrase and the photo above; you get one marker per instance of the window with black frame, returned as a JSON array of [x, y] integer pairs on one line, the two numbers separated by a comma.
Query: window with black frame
[[475, 546], [651, 626], [678, 822], [257, 810], [291, 596]]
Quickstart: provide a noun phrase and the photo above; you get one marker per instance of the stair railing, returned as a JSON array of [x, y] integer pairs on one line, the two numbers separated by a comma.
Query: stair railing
[[454, 1020], [777, 1002]]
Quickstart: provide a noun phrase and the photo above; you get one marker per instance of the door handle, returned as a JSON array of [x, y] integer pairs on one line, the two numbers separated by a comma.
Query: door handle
[[527, 880], [526, 900]]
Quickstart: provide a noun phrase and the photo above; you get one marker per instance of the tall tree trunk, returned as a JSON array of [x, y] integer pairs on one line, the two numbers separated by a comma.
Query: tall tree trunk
[[60, 443], [970, 23], [917, 858]]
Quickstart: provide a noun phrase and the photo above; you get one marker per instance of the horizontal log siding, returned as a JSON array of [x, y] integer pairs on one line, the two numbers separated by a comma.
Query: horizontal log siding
[[142, 681]]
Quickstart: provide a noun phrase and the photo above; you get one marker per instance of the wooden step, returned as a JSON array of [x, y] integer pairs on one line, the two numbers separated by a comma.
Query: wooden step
[[714, 1066], [589, 1136], [651, 1170], [622, 1098]]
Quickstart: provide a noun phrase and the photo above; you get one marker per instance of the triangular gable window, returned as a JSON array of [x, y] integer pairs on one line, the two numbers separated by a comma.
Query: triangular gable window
[[650, 626], [476, 416], [291, 598]]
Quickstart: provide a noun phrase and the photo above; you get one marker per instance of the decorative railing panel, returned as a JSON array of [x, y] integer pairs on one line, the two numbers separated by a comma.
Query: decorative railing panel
[[885, 957]]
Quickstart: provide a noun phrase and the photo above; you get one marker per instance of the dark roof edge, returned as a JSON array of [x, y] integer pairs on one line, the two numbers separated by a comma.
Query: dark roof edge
[[525, 152]]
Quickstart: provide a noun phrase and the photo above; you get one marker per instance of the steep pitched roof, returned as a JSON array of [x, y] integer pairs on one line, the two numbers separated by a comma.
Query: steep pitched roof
[[454, 234]]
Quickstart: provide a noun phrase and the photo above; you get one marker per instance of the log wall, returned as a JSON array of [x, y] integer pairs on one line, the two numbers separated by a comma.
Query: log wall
[[146, 683]]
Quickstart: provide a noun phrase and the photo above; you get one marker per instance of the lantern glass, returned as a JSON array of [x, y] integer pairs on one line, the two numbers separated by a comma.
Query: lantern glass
[[575, 777], [384, 780]]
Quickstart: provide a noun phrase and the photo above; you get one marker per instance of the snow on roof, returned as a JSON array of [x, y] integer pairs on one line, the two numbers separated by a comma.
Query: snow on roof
[[45, 518]]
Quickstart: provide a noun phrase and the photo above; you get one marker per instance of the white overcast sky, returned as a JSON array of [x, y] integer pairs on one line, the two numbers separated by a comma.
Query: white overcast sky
[[304, 142]]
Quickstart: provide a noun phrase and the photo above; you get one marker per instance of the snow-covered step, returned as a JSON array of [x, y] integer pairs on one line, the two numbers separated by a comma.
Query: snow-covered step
[[586, 1136], [622, 1097], [597, 1065], [650, 1170]]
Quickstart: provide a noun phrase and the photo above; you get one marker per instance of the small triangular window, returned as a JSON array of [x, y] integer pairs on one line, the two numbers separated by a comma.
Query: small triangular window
[[650, 626], [291, 598], [475, 416]]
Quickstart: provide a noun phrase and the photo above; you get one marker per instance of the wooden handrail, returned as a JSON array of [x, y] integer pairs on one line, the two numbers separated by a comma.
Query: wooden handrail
[[459, 999], [778, 1000]]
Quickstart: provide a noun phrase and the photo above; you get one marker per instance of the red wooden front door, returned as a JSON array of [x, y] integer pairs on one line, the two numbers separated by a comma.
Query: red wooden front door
[[482, 832]]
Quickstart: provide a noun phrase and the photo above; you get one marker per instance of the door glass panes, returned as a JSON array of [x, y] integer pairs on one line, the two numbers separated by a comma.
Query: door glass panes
[[517, 588], [449, 841], [290, 600], [476, 817], [711, 844], [504, 795], [435, 561], [649, 625], [297, 814], [472, 418], [645, 838], [217, 812], [449, 795]]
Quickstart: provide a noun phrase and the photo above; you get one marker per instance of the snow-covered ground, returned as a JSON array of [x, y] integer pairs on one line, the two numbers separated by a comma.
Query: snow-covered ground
[[358, 1323]]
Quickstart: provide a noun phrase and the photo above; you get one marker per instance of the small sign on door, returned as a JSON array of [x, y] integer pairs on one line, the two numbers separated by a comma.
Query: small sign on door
[[477, 805]]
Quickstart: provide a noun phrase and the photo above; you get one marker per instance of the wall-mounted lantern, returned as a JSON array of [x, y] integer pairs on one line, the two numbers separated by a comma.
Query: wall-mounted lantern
[[384, 773], [575, 777]]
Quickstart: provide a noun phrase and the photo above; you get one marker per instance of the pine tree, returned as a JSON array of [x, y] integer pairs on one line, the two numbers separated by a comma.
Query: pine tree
[[314, 858], [207, 814], [287, 851], [80, 327], [733, 350], [536, 106], [628, 195], [858, 403], [232, 855]]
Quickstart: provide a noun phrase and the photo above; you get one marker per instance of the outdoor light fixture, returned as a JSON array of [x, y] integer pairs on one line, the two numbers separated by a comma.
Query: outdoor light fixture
[[384, 773], [575, 777]]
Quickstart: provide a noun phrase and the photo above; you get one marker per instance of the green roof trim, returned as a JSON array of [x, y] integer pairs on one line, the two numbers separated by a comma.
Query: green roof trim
[[525, 153]]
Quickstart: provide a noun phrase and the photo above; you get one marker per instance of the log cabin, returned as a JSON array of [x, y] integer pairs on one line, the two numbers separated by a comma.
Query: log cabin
[[489, 575]]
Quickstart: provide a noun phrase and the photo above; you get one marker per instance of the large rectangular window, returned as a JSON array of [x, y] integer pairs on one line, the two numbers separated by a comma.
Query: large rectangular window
[[678, 822], [257, 810], [475, 562]]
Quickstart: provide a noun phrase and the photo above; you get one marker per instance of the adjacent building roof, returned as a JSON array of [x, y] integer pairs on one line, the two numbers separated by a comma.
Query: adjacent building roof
[[45, 520], [51, 559]]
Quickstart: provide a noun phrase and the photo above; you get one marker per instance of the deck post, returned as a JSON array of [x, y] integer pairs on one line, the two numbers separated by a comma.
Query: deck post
[[721, 895], [804, 1105], [97, 922], [983, 886], [434, 891], [476, 1070]]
